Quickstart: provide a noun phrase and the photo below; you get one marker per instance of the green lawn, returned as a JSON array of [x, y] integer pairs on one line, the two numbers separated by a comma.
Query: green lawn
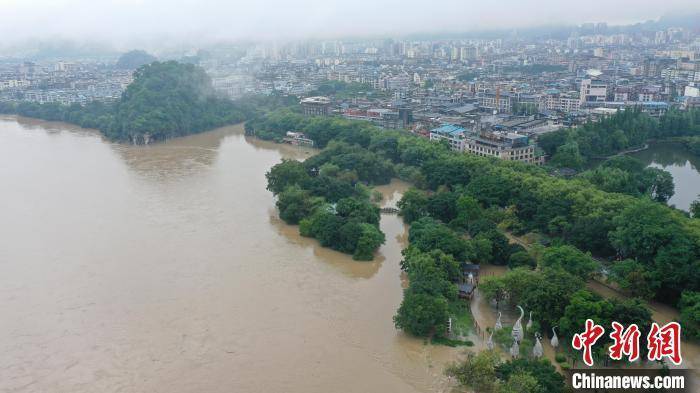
[[462, 319]]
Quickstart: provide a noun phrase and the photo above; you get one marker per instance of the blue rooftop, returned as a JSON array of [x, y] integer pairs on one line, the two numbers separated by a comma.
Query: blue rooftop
[[449, 129]]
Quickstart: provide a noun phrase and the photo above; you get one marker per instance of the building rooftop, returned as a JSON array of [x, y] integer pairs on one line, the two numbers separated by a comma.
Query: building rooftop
[[316, 100], [449, 129]]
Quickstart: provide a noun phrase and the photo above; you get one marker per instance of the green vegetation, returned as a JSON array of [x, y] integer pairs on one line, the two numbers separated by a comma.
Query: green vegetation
[[695, 208], [168, 100], [343, 90], [465, 202], [165, 100], [329, 204], [134, 59], [627, 175], [430, 276], [92, 115], [692, 143], [584, 304], [274, 126], [627, 129], [690, 314], [569, 259], [486, 373], [462, 319]]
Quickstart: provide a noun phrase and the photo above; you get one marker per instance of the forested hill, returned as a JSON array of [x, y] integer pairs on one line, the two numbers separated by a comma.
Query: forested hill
[[134, 59], [165, 100]]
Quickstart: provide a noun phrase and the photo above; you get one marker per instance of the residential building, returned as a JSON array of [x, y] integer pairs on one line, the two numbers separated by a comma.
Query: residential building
[[316, 106]]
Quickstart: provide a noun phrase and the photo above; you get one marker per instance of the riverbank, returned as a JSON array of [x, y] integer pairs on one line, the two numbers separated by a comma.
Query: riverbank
[[165, 268]]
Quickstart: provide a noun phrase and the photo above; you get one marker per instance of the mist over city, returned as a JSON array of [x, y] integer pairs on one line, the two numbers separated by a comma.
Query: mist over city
[[150, 22], [372, 196]]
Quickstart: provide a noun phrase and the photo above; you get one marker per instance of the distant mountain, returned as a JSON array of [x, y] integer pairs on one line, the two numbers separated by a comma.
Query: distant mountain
[[134, 59]]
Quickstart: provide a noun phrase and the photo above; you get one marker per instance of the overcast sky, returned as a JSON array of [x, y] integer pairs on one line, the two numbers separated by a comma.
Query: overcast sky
[[129, 21]]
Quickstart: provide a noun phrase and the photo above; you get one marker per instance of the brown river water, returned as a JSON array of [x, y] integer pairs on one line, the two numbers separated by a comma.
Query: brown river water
[[166, 269]]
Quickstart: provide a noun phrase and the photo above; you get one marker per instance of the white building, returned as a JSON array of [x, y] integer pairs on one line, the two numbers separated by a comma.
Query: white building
[[593, 90]]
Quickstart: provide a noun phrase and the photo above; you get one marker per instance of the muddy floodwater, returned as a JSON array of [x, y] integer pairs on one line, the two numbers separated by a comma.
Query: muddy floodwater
[[166, 269]]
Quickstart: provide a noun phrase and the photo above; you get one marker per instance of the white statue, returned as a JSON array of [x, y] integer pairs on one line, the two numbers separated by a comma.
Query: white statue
[[518, 327], [529, 323], [470, 278], [555, 339], [537, 350], [498, 325], [515, 349], [489, 343]]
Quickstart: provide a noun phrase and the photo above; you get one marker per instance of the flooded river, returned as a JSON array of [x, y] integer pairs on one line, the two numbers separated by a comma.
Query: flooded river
[[166, 269]]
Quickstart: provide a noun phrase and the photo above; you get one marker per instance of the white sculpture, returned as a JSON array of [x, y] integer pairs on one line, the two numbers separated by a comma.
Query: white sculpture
[[518, 327], [489, 343], [537, 350], [555, 340], [529, 323], [515, 349], [498, 325]]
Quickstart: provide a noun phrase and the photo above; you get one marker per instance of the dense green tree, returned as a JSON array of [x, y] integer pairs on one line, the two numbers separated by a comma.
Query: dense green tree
[[633, 277], [477, 371], [413, 205], [659, 184], [568, 156], [294, 203], [370, 239], [359, 209], [540, 370], [443, 261], [520, 383], [513, 285], [642, 228], [584, 305], [548, 299], [570, 259], [285, 174], [468, 210], [428, 234], [521, 259], [481, 225], [443, 206], [695, 208], [689, 306], [421, 314], [370, 167], [331, 188], [426, 277]]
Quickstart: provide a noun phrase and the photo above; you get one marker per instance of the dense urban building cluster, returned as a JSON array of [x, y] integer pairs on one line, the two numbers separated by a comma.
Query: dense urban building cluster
[[490, 97], [62, 82]]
